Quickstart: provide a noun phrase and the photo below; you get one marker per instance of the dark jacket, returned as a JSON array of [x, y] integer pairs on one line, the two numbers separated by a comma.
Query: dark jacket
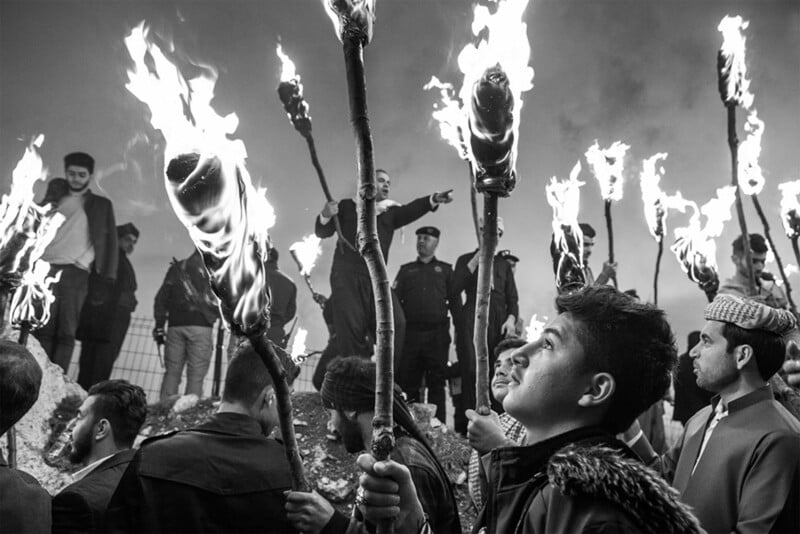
[[185, 297], [504, 300], [102, 233], [427, 293], [81, 506], [24, 504], [107, 302], [581, 481], [283, 302], [222, 476], [390, 220]]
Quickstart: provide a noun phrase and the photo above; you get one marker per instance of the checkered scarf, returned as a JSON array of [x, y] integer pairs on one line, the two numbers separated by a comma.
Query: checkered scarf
[[750, 315]]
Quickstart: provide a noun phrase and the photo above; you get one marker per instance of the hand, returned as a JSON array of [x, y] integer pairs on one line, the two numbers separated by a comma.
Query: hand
[[473, 262], [308, 512], [387, 492], [609, 269], [484, 432], [792, 364], [509, 327], [319, 298], [443, 198], [330, 209], [159, 336]]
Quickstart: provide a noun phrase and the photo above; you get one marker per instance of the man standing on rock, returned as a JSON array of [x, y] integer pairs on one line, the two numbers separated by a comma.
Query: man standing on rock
[[104, 430]]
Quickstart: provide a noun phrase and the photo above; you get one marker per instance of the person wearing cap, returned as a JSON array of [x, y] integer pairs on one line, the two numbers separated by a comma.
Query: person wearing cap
[[103, 325], [510, 258], [351, 286], [349, 391], [425, 290], [767, 291], [85, 245], [738, 462], [503, 313]]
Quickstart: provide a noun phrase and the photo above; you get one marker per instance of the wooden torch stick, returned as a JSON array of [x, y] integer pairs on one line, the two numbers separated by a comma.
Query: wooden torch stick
[[733, 144], [610, 232], [483, 297], [658, 269], [473, 200], [778, 260]]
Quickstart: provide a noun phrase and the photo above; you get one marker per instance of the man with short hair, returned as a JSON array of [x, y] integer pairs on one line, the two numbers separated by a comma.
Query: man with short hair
[[767, 291], [86, 243], [609, 269], [349, 390], [425, 290], [597, 365], [24, 504], [737, 463], [186, 303], [103, 327], [351, 288], [103, 434], [222, 476]]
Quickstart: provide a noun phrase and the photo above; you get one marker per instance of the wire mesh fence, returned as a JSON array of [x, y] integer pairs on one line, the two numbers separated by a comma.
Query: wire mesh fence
[[140, 361]]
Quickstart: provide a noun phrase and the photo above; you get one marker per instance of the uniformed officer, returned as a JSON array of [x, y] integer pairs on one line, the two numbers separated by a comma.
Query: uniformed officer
[[425, 290]]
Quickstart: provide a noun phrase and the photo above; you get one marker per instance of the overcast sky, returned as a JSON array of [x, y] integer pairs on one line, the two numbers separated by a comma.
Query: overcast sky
[[640, 71]]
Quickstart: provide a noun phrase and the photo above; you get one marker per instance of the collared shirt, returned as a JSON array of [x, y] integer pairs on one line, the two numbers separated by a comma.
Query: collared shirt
[[720, 412], [72, 244], [82, 473]]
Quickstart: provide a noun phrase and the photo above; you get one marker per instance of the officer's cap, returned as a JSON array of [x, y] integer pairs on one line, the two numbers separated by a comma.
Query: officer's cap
[[429, 230]]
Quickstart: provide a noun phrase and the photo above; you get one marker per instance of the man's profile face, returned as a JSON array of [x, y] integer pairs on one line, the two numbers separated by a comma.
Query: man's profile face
[[82, 432], [78, 177], [350, 432], [426, 245], [588, 244], [127, 243], [759, 260], [383, 182], [549, 376], [714, 367]]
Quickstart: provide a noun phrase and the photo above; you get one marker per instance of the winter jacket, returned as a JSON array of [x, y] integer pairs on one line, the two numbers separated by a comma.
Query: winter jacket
[[581, 481], [185, 297]]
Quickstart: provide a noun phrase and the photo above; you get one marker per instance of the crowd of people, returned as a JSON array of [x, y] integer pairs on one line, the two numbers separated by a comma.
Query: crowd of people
[[571, 444]]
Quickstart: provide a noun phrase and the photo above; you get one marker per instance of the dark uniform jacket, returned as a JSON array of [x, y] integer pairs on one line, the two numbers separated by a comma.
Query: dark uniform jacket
[[222, 476], [390, 220], [426, 292], [24, 504], [81, 506], [504, 300], [583, 481]]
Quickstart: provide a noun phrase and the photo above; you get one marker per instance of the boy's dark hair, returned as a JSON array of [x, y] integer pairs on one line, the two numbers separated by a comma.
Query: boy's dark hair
[[20, 379], [757, 244], [124, 405], [80, 159], [587, 229], [508, 343], [769, 349], [628, 339]]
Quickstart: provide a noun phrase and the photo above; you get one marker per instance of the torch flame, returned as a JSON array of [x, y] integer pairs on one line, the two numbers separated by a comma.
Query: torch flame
[[534, 329], [751, 178], [351, 18], [207, 182], [299, 345], [606, 165], [790, 208], [694, 244], [33, 298], [307, 251], [288, 70], [733, 85], [656, 202], [450, 115], [565, 198]]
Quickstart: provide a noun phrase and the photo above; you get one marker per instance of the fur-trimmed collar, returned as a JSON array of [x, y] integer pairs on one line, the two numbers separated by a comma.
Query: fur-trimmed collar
[[603, 473]]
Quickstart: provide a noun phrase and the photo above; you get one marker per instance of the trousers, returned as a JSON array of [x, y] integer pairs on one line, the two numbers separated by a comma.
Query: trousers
[[190, 347]]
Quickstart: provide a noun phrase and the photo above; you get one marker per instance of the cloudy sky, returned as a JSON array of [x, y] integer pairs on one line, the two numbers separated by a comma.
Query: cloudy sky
[[636, 70]]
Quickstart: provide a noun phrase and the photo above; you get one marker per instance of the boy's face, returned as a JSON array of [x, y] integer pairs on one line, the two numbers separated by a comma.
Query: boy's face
[[502, 374], [549, 376]]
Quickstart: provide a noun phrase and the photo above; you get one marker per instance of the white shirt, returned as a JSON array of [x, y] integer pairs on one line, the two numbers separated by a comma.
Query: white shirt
[[80, 474]]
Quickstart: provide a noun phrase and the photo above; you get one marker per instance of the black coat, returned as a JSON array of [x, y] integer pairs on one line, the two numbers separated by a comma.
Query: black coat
[[81, 506], [24, 504], [222, 476]]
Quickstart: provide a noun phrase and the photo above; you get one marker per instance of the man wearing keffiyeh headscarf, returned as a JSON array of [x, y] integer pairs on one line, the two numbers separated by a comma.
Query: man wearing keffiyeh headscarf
[[736, 464], [349, 391]]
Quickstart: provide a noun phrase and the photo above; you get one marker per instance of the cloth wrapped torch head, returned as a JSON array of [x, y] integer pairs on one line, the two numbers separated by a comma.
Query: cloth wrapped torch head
[[491, 124], [291, 94]]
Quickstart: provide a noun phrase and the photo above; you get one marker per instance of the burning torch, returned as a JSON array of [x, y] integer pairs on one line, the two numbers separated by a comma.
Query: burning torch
[[607, 165], [564, 197], [734, 88], [353, 21], [790, 214], [290, 91], [305, 254], [212, 195]]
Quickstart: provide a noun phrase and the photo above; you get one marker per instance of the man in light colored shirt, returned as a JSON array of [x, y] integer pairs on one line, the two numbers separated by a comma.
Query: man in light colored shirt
[[85, 245], [103, 433]]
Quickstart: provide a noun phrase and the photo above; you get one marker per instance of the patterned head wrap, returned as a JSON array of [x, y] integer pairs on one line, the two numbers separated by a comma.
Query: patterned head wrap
[[750, 315]]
